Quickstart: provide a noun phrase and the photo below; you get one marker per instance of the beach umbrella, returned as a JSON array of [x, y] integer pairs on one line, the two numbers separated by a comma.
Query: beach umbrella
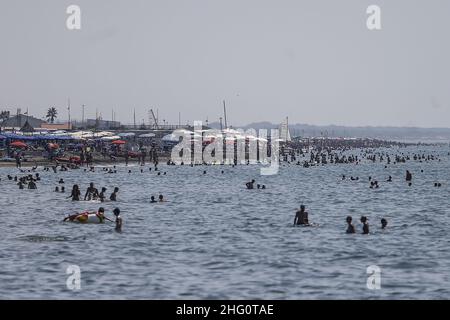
[[126, 134], [53, 145], [110, 138], [171, 137], [18, 144], [147, 135], [118, 142]]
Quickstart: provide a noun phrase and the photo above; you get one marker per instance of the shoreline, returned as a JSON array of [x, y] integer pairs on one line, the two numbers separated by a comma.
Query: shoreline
[[48, 163]]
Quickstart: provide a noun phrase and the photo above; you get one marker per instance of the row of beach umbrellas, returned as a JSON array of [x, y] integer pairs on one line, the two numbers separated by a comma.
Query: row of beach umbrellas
[[23, 145]]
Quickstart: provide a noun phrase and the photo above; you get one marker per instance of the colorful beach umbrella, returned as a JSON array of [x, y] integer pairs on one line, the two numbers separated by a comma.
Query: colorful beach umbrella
[[118, 142], [18, 144]]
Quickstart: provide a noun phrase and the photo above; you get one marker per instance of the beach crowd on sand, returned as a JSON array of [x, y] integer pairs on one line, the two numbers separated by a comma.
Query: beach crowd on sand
[[319, 155]]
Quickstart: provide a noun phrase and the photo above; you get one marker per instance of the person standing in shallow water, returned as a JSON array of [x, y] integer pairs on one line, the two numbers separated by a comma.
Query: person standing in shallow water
[[301, 216], [91, 192], [113, 196], [75, 194], [350, 226], [18, 160], [365, 225], [102, 195], [118, 227], [408, 176]]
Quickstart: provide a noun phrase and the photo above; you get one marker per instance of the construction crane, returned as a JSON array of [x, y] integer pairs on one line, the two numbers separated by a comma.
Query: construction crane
[[152, 119]]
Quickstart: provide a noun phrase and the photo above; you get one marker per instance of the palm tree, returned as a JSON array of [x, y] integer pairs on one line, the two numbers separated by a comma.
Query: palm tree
[[51, 114], [4, 115]]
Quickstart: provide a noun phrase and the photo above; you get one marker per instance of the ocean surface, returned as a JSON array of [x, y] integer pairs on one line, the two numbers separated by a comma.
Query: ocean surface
[[213, 239]]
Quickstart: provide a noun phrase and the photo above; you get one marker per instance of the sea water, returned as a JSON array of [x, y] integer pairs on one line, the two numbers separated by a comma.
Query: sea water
[[213, 239]]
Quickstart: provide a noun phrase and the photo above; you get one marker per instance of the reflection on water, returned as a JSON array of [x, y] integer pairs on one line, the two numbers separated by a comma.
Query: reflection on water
[[213, 239]]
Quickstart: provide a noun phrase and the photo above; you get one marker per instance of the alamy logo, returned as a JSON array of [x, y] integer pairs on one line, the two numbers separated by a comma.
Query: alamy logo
[[228, 146], [374, 19], [73, 282], [374, 279], [73, 22]]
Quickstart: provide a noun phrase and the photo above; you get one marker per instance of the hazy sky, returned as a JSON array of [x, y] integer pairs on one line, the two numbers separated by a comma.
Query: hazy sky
[[312, 60]]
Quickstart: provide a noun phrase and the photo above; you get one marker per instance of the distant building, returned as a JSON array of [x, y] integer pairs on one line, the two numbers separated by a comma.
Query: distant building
[[102, 124], [57, 126], [21, 121]]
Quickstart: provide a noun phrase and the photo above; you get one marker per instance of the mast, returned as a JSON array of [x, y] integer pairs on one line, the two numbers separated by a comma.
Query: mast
[[82, 115], [225, 114], [287, 128], [68, 110]]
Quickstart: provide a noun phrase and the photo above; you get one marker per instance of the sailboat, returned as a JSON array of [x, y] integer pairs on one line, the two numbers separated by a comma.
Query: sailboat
[[285, 136]]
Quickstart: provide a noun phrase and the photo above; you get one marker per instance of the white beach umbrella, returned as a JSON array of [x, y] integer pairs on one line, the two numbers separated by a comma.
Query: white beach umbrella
[[126, 134], [110, 138], [147, 135]]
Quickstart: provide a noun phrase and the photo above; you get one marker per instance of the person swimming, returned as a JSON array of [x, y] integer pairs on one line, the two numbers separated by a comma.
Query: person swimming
[[118, 221], [365, 225], [152, 199], [161, 198], [350, 226], [32, 185], [408, 176], [101, 214], [113, 196], [301, 216], [383, 223], [250, 184]]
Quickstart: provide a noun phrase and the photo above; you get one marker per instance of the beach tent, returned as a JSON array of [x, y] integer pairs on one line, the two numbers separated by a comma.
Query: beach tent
[[17, 136]]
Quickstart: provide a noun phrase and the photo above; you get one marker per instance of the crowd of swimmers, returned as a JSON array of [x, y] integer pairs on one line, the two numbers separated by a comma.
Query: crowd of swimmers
[[320, 156], [302, 219], [92, 193], [251, 185]]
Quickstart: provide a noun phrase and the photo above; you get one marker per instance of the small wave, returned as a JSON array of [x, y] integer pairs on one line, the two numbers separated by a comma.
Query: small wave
[[36, 238]]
